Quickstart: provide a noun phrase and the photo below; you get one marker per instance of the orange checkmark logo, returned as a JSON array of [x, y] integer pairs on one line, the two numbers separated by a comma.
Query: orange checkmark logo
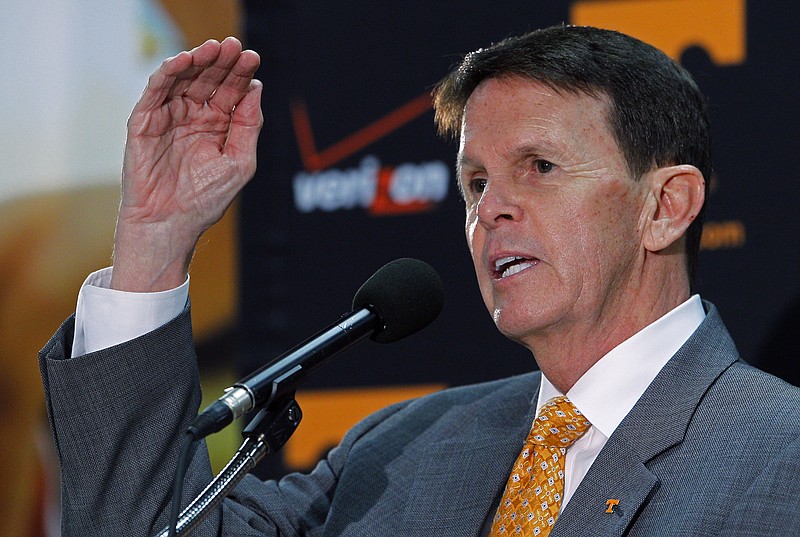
[[314, 160]]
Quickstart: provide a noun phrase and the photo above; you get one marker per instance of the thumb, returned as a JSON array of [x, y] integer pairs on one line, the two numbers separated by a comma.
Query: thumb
[[246, 124]]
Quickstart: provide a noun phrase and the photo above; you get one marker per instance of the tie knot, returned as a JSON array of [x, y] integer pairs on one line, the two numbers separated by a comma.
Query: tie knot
[[558, 424]]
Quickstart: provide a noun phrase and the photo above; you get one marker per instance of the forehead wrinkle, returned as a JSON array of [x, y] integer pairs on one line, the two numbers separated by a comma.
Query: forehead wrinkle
[[543, 137], [546, 134], [464, 160]]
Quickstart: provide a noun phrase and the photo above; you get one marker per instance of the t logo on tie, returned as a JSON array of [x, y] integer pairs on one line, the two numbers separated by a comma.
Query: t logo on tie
[[611, 504]]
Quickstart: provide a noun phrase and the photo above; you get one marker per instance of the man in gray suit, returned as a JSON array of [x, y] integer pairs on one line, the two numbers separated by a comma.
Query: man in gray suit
[[583, 162]]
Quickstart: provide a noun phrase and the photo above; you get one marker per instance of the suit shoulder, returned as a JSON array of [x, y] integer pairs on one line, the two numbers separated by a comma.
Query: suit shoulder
[[520, 385], [750, 381], [452, 405], [744, 392]]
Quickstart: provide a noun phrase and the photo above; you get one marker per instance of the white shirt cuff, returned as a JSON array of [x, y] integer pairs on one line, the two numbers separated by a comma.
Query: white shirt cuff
[[106, 317]]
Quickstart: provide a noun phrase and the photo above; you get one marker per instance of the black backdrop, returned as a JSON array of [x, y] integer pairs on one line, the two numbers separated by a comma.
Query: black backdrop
[[344, 105]]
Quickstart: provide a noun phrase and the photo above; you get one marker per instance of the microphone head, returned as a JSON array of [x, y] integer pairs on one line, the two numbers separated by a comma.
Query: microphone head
[[407, 294]]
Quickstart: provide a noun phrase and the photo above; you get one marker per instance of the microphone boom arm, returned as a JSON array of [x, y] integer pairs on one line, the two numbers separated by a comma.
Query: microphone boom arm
[[281, 376], [266, 433]]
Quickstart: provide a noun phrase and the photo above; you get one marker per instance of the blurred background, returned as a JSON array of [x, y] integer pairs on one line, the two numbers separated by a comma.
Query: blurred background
[[351, 175]]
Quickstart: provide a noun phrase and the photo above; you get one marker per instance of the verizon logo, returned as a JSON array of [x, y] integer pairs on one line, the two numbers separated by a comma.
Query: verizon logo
[[381, 190]]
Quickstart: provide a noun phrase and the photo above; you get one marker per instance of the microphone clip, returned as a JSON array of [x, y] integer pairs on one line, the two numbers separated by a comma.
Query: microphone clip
[[275, 423], [266, 433]]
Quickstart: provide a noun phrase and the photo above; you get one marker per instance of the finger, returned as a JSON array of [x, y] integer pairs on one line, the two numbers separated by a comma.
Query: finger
[[161, 82], [245, 126], [237, 82], [174, 75], [202, 57], [206, 81]]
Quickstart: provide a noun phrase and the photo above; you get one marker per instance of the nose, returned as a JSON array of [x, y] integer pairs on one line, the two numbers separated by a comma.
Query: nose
[[498, 204]]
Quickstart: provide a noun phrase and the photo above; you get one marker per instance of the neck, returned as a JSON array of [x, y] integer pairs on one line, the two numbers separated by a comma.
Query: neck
[[564, 354]]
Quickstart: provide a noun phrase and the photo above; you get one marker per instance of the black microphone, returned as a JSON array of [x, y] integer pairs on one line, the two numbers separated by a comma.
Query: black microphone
[[398, 300]]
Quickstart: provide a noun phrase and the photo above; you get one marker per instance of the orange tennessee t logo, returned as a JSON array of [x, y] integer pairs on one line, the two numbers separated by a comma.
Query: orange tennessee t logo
[[611, 504]]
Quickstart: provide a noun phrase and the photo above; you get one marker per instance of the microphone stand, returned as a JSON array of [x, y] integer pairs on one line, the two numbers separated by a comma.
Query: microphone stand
[[266, 433]]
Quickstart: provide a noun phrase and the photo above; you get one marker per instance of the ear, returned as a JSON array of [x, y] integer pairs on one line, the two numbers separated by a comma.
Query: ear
[[677, 194]]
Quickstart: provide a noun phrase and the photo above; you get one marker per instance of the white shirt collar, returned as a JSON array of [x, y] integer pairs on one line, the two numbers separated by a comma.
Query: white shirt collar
[[609, 389]]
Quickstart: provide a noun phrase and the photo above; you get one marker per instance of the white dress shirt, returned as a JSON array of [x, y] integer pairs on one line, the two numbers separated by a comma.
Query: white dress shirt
[[106, 317], [604, 394], [609, 389]]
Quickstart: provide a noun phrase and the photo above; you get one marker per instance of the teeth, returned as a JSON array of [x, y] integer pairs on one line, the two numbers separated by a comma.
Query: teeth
[[508, 266], [514, 269], [504, 261]]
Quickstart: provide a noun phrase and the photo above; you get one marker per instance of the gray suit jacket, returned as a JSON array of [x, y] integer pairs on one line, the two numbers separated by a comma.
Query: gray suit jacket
[[711, 448]]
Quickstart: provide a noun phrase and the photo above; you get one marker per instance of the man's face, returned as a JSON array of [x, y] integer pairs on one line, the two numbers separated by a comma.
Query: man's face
[[552, 213]]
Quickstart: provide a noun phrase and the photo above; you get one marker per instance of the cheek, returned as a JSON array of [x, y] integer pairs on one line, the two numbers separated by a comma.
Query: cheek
[[621, 209], [609, 231], [591, 228]]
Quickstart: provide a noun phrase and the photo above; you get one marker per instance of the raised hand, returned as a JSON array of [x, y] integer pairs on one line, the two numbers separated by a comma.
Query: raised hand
[[191, 147]]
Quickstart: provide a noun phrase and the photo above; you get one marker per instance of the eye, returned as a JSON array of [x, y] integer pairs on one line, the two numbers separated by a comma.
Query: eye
[[543, 166], [477, 186]]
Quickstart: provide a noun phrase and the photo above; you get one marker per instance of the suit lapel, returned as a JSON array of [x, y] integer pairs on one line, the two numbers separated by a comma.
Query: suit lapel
[[656, 423], [606, 502], [456, 485]]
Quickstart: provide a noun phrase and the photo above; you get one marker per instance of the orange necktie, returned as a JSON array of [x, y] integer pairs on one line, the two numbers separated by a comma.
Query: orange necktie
[[533, 493]]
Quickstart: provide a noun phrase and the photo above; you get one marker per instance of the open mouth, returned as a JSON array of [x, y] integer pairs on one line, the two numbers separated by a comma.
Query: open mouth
[[508, 266]]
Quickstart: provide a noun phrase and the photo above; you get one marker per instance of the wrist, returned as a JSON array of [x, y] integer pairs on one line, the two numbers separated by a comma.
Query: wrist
[[150, 257]]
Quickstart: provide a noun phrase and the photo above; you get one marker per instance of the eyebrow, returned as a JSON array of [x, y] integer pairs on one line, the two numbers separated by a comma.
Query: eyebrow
[[463, 161], [460, 162], [523, 151], [528, 150]]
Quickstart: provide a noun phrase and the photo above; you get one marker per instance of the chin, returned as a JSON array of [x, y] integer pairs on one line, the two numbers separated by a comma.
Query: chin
[[515, 328], [522, 324]]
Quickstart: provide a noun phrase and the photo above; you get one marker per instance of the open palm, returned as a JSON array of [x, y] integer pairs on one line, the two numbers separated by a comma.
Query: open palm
[[191, 147]]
